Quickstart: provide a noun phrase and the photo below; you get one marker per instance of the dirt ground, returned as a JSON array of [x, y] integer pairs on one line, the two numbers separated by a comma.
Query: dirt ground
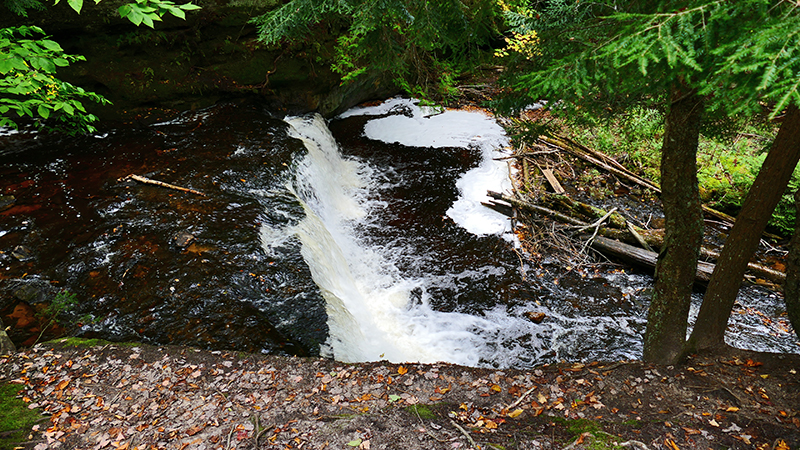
[[124, 397]]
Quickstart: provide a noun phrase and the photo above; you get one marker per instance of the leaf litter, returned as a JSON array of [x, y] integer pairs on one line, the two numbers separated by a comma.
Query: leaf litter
[[143, 397]]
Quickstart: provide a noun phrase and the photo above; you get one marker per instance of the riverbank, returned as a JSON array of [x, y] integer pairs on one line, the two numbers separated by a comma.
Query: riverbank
[[128, 396]]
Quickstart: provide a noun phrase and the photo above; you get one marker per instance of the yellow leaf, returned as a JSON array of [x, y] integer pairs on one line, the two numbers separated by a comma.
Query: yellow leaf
[[782, 445], [402, 370], [672, 444], [496, 388], [515, 413], [490, 424], [732, 409]]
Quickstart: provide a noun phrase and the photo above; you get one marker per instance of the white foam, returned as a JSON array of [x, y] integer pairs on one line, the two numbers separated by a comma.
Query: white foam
[[371, 315], [438, 128]]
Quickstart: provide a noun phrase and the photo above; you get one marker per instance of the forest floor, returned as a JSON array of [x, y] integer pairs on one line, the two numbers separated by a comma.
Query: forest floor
[[118, 396]]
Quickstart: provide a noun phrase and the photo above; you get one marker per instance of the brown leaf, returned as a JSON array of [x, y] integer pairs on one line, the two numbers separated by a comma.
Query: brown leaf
[[194, 430], [782, 445], [62, 385]]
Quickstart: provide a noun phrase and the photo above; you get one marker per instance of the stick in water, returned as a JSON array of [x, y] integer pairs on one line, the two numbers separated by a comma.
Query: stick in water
[[159, 183]]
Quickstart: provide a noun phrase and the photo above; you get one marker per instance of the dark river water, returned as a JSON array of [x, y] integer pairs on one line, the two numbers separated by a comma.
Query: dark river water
[[312, 238]]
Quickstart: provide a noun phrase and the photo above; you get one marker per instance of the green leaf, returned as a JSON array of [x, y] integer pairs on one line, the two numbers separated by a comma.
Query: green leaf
[[43, 111], [68, 109], [135, 15], [177, 12], [147, 19], [60, 62], [51, 45], [355, 443], [124, 10], [393, 398], [6, 66], [189, 7], [43, 64], [76, 5]]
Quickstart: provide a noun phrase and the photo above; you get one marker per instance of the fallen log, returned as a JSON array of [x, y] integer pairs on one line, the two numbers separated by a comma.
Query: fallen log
[[144, 180], [641, 257]]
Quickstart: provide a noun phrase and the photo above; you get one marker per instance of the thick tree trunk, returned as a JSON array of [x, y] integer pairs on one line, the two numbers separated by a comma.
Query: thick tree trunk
[[667, 318], [791, 289], [769, 185]]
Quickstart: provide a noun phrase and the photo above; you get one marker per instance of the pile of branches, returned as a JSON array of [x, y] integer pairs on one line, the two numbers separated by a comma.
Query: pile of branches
[[558, 225]]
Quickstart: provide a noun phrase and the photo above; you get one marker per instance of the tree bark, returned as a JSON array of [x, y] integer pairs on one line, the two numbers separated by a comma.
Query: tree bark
[[767, 189], [791, 289], [667, 317]]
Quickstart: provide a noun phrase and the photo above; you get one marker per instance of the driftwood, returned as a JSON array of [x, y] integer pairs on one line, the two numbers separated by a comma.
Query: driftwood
[[551, 178], [158, 183]]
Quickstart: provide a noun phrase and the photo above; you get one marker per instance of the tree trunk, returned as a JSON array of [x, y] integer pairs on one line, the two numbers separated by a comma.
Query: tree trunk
[[667, 318], [791, 289], [767, 189]]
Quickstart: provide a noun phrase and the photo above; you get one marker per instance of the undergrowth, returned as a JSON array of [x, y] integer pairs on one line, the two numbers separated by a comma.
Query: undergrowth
[[727, 162]]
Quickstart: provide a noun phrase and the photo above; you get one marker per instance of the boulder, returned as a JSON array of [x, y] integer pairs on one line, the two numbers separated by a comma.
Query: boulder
[[6, 346]]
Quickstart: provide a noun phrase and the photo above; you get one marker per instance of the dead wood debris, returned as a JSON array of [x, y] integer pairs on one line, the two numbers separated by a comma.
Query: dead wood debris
[[145, 180], [552, 222]]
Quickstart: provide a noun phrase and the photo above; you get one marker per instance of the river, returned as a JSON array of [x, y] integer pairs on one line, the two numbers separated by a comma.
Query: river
[[361, 239]]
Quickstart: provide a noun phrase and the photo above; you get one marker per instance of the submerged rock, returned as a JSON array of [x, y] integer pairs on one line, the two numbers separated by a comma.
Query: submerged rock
[[535, 317], [7, 201], [22, 253], [182, 239]]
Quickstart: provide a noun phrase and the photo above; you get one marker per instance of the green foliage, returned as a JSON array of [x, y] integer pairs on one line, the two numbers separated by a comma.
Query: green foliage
[[21, 7], [63, 303], [16, 420], [149, 11], [419, 43], [29, 86]]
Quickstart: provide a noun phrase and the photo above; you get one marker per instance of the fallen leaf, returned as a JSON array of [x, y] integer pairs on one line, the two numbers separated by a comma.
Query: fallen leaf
[[515, 413], [402, 370], [672, 444], [393, 398], [713, 423], [782, 445], [194, 430], [496, 388], [490, 424], [732, 409], [355, 442]]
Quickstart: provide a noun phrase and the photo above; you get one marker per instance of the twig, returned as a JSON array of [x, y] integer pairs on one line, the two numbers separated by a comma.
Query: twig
[[259, 430], [597, 228], [464, 432], [638, 237], [230, 434], [521, 397], [159, 183], [598, 222]]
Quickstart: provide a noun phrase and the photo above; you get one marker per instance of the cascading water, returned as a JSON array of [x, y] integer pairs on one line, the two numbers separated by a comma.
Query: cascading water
[[368, 300], [377, 248]]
